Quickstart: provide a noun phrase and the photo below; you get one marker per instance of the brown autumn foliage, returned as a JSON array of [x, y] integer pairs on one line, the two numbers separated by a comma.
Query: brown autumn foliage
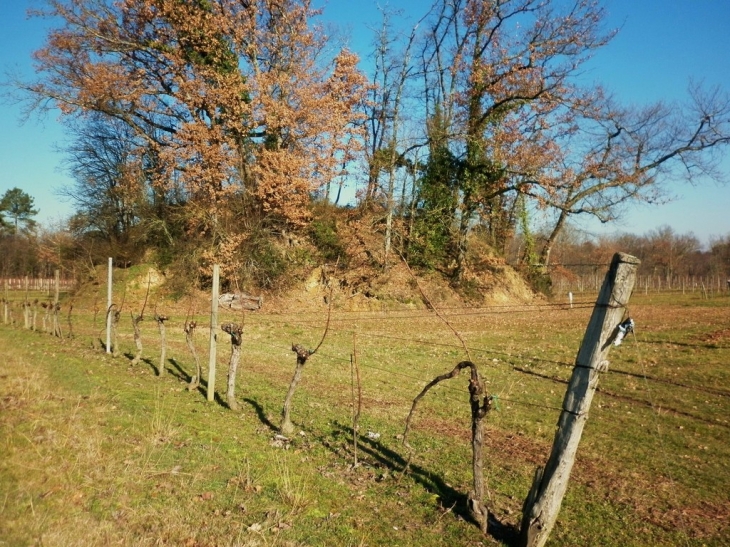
[[237, 115], [227, 100]]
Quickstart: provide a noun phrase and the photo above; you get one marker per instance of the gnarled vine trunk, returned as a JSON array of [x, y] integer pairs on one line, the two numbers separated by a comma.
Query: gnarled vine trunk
[[236, 333], [189, 332]]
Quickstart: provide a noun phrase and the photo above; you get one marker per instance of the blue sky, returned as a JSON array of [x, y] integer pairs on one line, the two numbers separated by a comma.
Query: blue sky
[[661, 46]]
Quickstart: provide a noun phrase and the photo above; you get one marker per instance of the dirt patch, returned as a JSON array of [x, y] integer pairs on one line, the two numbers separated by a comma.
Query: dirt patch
[[368, 280], [716, 337], [700, 521]]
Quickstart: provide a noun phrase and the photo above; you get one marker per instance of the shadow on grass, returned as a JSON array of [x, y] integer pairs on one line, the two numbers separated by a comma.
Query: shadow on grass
[[146, 360], [179, 372], [705, 345], [261, 414], [149, 363], [388, 458], [629, 399], [431, 481]]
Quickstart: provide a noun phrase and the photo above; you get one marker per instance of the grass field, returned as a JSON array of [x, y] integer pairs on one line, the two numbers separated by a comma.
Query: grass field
[[95, 452]]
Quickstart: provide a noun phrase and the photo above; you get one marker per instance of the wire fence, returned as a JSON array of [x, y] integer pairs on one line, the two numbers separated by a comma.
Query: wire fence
[[564, 283], [400, 351], [376, 328]]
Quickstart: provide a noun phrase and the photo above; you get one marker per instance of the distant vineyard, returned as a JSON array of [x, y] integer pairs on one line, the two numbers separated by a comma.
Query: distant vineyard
[[35, 284], [564, 282]]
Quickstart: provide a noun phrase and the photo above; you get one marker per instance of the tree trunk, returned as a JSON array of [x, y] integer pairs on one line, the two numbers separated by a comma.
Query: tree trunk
[[68, 320], [46, 308], [109, 305], [480, 406], [388, 234], [115, 317], [461, 244], [56, 323], [543, 502], [479, 410], [26, 315], [550, 241], [56, 305], [5, 304]]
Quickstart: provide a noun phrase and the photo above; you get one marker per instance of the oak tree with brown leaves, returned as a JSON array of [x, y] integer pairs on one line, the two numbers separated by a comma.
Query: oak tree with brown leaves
[[229, 101]]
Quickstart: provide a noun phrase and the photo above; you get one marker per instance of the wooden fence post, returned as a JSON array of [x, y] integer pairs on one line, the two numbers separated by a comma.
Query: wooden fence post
[[213, 333], [26, 304], [6, 303], [543, 502], [109, 306], [56, 305]]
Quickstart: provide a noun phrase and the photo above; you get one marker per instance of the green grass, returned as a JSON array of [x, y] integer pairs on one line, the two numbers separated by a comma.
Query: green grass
[[95, 452]]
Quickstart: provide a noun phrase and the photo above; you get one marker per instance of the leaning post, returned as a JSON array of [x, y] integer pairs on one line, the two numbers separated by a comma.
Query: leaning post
[[542, 505], [213, 334]]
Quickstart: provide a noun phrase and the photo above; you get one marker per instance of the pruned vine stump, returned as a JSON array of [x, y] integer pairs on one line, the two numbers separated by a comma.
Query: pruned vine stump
[[287, 428], [236, 333]]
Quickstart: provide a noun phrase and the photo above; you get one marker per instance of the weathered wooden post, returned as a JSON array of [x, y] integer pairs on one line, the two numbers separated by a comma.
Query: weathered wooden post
[[543, 502], [5, 304], [109, 306], [213, 334], [56, 305], [26, 305]]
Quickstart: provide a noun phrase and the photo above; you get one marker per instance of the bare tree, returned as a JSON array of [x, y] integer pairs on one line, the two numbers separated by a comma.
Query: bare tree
[[498, 72], [387, 148], [614, 156]]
